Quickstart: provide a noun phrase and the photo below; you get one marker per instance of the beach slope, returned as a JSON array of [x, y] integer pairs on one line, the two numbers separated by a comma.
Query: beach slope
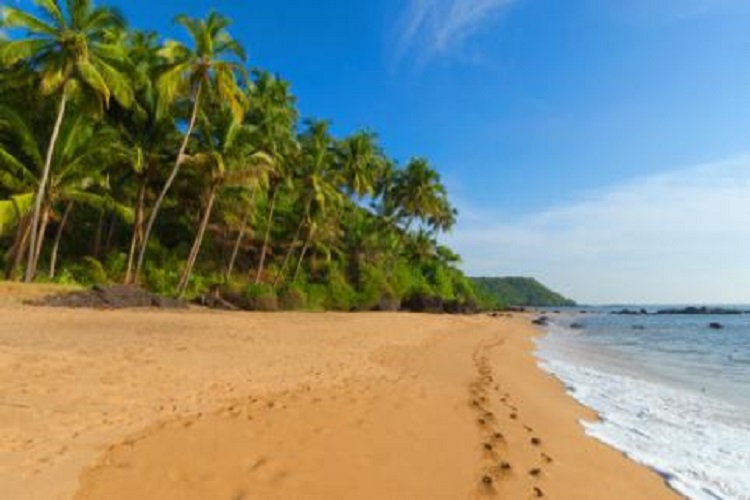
[[148, 404]]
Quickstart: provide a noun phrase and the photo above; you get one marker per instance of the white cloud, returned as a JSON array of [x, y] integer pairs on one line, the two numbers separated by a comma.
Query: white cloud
[[679, 237], [434, 27]]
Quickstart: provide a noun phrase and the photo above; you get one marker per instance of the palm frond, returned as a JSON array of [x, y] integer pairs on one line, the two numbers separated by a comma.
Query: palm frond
[[117, 83], [93, 78], [16, 18], [14, 51], [52, 9]]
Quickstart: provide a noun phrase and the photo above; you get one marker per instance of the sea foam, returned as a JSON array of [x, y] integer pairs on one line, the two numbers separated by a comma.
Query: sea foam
[[700, 445]]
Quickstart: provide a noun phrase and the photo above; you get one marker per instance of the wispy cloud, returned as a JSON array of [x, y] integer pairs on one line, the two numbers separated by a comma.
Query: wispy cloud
[[683, 236], [437, 27]]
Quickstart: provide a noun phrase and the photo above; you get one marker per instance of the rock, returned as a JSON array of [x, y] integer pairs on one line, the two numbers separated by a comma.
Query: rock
[[419, 303], [111, 297], [700, 311], [576, 326], [629, 312], [639, 327], [716, 326], [388, 304], [541, 321]]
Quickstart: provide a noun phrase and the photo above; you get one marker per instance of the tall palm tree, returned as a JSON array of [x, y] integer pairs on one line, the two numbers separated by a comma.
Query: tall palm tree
[[317, 187], [72, 49], [77, 171], [229, 158], [145, 132], [273, 114], [209, 67], [417, 194], [361, 162]]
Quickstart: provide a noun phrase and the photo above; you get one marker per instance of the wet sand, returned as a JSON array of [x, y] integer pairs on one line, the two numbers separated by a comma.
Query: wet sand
[[197, 404]]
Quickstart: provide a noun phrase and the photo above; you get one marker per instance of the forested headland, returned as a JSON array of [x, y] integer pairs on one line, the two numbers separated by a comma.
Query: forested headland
[[127, 157]]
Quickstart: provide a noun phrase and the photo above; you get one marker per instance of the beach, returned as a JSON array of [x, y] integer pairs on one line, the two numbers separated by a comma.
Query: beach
[[201, 404]]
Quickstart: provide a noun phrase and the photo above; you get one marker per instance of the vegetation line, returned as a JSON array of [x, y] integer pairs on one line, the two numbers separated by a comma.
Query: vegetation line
[[126, 157]]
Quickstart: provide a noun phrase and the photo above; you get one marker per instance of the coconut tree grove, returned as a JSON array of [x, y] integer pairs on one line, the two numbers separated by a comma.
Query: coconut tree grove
[[129, 158]]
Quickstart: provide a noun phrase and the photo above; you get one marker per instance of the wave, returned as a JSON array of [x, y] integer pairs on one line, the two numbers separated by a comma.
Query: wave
[[701, 446]]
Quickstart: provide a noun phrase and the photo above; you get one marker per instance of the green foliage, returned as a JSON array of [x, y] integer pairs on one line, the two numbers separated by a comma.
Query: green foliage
[[261, 297], [374, 288], [293, 298], [523, 292], [310, 220]]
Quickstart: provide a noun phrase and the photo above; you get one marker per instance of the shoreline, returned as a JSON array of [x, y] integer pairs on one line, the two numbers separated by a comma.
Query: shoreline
[[145, 404]]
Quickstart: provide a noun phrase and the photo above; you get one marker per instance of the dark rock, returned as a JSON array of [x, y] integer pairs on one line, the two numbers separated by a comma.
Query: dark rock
[[577, 326], [541, 321], [629, 312], [700, 311], [419, 303], [111, 297], [388, 304], [639, 327], [716, 326]]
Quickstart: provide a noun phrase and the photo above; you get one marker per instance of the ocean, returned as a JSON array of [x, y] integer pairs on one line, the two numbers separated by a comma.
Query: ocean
[[672, 393]]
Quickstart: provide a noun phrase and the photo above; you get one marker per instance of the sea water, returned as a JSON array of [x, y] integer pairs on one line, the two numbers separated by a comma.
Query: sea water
[[671, 393]]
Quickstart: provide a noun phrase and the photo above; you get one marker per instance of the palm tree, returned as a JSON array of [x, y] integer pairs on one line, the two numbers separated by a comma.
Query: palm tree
[[317, 187], [72, 49], [361, 162], [418, 195], [77, 173], [274, 117], [210, 68], [230, 159], [145, 132]]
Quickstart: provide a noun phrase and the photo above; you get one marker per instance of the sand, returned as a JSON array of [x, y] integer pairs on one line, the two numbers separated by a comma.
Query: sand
[[202, 405]]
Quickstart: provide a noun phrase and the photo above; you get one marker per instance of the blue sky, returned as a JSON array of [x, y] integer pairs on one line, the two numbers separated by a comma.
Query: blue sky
[[540, 114]]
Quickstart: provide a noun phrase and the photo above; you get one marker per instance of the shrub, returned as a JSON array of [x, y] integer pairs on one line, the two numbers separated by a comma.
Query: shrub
[[94, 272], [261, 297], [161, 280], [341, 296], [293, 298], [374, 288]]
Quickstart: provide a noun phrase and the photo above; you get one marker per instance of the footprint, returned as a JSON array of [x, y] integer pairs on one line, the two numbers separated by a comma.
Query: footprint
[[536, 472], [536, 441]]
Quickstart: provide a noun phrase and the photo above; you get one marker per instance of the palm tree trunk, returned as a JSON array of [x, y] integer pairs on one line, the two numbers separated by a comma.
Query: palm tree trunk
[[264, 250], [58, 237], [97, 246], [195, 250], [302, 254], [240, 237], [167, 185], [290, 250], [17, 251], [110, 233], [42, 232], [31, 263], [137, 236]]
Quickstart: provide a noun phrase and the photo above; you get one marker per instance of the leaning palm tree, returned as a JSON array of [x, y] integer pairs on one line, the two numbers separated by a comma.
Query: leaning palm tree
[[317, 187], [361, 162], [417, 194], [74, 51], [209, 67], [148, 134], [273, 115], [227, 158], [77, 174]]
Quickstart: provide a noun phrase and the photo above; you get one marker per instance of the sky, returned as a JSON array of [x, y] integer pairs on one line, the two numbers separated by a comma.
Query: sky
[[601, 146]]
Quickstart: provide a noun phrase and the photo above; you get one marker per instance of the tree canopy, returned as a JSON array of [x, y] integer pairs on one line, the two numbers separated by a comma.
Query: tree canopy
[[127, 157]]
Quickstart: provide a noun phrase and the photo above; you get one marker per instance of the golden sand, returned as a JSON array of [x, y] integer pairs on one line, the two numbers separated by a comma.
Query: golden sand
[[203, 405]]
